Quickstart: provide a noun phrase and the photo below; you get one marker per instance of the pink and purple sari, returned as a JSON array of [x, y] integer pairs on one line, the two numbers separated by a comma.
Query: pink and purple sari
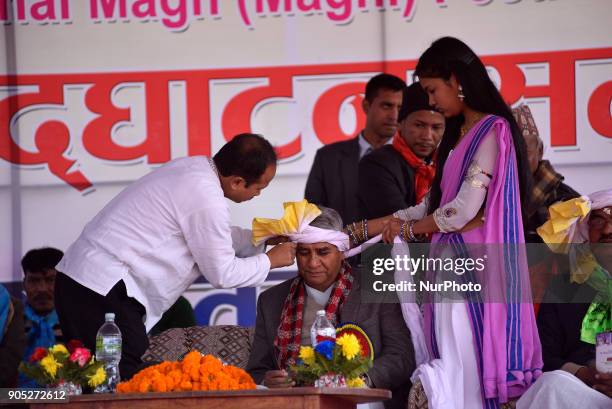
[[506, 342]]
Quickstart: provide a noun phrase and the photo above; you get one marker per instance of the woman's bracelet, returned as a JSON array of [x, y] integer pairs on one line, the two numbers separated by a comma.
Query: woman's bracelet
[[358, 231]]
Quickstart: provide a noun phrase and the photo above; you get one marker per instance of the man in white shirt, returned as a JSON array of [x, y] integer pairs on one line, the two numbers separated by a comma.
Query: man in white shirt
[[146, 246]]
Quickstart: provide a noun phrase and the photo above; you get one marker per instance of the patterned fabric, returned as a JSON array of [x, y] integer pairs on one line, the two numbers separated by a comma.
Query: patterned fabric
[[424, 173], [546, 180], [289, 334], [417, 399], [230, 343], [525, 121]]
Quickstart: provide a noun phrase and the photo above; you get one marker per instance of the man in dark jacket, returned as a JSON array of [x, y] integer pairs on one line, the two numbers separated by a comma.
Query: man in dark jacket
[[399, 175], [332, 181], [327, 282]]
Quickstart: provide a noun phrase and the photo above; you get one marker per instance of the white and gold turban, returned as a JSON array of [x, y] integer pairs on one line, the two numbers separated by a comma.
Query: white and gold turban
[[295, 224], [568, 221]]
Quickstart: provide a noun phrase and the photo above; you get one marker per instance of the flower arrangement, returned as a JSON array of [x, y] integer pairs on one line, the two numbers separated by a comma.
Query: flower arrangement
[[335, 363], [194, 373], [59, 364]]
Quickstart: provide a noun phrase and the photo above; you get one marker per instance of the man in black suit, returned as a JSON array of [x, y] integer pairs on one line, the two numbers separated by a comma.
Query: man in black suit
[[332, 181], [328, 283], [399, 175]]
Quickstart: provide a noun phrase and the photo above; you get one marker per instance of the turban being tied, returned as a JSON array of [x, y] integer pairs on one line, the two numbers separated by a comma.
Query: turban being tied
[[295, 224]]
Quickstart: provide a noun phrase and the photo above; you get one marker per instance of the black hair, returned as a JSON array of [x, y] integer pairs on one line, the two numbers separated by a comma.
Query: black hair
[[247, 155], [447, 56], [42, 259], [383, 81]]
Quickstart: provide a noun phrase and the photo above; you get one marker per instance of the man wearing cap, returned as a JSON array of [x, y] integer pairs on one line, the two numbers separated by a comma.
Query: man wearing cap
[[398, 176], [547, 186], [325, 281]]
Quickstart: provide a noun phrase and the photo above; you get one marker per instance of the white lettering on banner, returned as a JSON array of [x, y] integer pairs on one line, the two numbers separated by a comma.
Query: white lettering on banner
[[177, 15]]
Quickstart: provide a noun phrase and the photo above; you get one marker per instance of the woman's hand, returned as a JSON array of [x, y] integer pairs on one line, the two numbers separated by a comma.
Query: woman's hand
[[391, 229]]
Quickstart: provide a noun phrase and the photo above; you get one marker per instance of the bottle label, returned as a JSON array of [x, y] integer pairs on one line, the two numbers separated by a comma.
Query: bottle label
[[108, 345]]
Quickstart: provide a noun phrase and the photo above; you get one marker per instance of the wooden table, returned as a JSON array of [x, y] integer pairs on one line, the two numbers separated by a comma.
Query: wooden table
[[286, 398]]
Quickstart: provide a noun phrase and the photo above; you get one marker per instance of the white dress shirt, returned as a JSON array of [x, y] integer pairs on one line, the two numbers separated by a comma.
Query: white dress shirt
[[162, 232]]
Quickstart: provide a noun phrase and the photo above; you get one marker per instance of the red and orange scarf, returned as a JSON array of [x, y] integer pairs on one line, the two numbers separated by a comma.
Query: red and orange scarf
[[289, 335], [424, 173]]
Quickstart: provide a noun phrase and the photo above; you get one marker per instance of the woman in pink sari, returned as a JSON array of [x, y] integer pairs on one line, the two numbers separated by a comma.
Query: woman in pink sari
[[488, 351]]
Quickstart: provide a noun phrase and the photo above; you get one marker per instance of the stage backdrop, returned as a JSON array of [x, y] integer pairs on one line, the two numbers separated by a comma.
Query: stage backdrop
[[96, 93]]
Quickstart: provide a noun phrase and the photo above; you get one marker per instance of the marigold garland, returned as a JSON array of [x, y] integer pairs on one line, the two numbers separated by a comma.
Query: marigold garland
[[194, 373]]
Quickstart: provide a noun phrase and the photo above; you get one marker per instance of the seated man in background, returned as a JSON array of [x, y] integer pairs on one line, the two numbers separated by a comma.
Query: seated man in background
[[326, 282], [566, 323], [399, 175], [41, 322], [12, 338], [548, 187]]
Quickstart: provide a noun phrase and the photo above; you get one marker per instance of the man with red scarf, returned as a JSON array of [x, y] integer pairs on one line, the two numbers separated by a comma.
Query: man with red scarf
[[325, 281], [398, 176]]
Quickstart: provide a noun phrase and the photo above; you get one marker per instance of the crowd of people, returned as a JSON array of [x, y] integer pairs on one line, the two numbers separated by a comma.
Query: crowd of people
[[445, 161]]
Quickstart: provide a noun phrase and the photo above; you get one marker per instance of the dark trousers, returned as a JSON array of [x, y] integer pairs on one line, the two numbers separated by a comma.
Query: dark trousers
[[81, 313]]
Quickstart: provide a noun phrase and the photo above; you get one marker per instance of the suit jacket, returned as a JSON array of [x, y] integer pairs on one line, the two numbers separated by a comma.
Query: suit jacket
[[386, 183], [332, 181], [560, 320], [394, 359]]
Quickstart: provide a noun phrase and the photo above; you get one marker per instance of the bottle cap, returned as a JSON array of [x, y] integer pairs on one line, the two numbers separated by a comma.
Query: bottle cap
[[109, 316], [321, 312]]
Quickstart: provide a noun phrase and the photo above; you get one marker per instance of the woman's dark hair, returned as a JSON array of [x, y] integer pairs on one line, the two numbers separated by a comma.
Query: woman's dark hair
[[448, 56], [247, 155]]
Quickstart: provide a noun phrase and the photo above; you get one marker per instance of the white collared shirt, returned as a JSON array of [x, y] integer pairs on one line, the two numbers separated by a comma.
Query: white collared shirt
[[162, 232], [365, 147], [320, 297]]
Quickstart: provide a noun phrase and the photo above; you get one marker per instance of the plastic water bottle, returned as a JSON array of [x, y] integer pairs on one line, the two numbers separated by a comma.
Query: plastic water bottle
[[108, 351], [322, 329]]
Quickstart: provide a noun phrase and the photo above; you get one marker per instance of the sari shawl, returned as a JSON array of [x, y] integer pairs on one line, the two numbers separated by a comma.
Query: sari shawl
[[506, 342]]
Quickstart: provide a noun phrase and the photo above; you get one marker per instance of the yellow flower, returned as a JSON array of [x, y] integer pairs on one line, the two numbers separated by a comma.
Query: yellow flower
[[307, 355], [355, 383], [350, 345], [50, 365], [97, 378], [59, 348]]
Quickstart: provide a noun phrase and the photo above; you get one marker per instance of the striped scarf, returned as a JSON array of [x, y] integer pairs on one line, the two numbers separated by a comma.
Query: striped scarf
[[289, 334]]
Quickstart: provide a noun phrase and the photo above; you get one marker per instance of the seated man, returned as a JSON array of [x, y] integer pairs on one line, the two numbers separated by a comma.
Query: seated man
[[547, 186], [326, 281], [567, 336], [41, 322], [547, 189]]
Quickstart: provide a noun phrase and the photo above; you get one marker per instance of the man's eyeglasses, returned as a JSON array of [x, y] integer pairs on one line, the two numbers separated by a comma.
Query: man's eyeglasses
[[600, 220]]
